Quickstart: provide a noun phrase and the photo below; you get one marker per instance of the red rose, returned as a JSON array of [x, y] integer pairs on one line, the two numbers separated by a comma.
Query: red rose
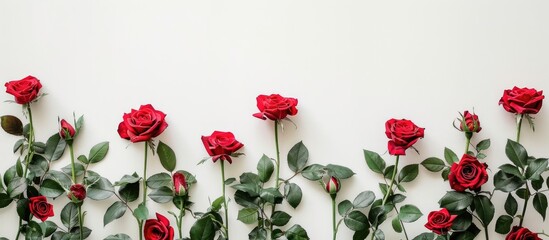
[[220, 145], [522, 100], [143, 124], [40, 208], [158, 229], [275, 107], [332, 186], [24, 90], [179, 184], [470, 123], [402, 134], [440, 221], [77, 192], [469, 173], [67, 130], [521, 233]]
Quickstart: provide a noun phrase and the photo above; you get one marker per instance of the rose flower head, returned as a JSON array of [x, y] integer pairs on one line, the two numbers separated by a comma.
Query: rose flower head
[[440, 222], [24, 90], [275, 107], [180, 185], [469, 123], [402, 134], [77, 192], [142, 124], [521, 233], [468, 173], [522, 100], [220, 145], [40, 207], [67, 130], [158, 229], [332, 186]]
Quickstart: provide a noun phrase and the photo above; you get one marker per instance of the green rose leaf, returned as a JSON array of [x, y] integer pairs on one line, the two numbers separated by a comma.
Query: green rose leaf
[[115, 211], [298, 157], [536, 168], [361, 235], [537, 184], [162, 195], [120, 236], [356, 221], [51, 188], [55, 147], [16, 186], [433, 164], [483, 145], [484, 208], [313, 172], [456, 201], [409, 213], [503, 224], [79, 169], [100, 190], [265, 168], [338, 171], [396, 225], [511, 205], [69, 215], [296, 232], [98, 152], [374, 161], [5, 200], [141, 212], [259, 234], [280, 218], [167, 156], [450, 156], [462, 222], [48, 228], [516, 153], [511, 169], [364, 199], [506, 182], [540, 204], [203, 229], [293, 194], [271, 195], [344, 207], [408, 173], [159, 180]]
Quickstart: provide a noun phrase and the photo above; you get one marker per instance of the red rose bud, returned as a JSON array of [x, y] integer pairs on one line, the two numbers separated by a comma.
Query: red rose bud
[[470, 123], [24, 90], [67, 130], [220, 145], [522, 100], [521, 233], [179, 184], [275, 107], [158, 229], [40, 208], [143, 124], [468, 173], [332, 186], [440, 222], [77, 192], [402, 134], [11, 125]]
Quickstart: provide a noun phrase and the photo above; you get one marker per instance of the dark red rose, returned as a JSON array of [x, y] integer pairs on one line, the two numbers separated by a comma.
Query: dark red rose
[[40, 208], [469, 173], [522, 100], [440, 221], [67, 130], [24, 90], [77, 192], [180, 186], [158, 229], [143, 124], [402, 134], [220, 145], [332, 186], [470, 122], [275, 107], [521, 233]]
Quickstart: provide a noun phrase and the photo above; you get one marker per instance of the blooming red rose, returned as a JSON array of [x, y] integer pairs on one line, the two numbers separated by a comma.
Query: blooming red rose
[[522, 100], [332, 186], [275, 107], [143, 124], [67, 130], [470, 123], [158, 229], [521, 233], [440, 221], [180, 185], [77, 192], [220, 145], [40, 208], [469, 173], [24, 90], [402, 134]]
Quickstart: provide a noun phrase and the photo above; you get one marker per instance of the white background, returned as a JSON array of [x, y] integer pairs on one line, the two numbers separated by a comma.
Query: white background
[[352, 65]]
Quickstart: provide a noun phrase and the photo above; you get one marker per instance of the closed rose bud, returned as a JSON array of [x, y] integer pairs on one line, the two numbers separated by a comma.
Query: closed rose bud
[[12, 125], [180, 186], [332, 186], [469, 123], [77, 192], [67, 130]]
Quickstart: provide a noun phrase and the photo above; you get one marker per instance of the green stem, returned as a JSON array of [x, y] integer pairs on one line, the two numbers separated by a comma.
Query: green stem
[[374, 232], [277, 180], [334, 226], [401, 223], [526, 198], [72, 164], [140, 223], [390, 189], [19, 228], [519, 126], [180, 222], [80, 222], [486, 232], [224, 199], [30, 154], [467, 143], [145, 176]]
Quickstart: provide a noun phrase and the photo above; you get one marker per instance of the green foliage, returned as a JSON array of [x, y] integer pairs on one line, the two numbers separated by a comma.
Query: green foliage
[[298, 157], [456, 201], [409, 213], [374, 161], [265, 168], [115, 211], [167, 156], [433, 164]]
